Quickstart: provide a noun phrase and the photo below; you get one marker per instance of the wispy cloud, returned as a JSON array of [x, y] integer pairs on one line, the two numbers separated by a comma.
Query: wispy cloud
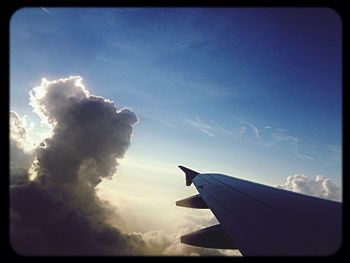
[[281, 138], [274, 138], [201, 126], [222, 129], [209, 128], [45, 10], [254, 129], [156, 119], [303, 156]]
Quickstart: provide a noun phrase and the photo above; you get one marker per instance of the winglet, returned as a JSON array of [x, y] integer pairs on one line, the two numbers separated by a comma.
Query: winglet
[[190, 174]]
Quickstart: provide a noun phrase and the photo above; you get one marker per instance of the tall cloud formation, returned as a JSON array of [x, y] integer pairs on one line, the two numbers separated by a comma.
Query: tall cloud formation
[[320, 186], [88, 133], [58, 213]]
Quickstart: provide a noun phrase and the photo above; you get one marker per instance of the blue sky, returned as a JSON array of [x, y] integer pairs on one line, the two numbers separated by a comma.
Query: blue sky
[[254, 93]]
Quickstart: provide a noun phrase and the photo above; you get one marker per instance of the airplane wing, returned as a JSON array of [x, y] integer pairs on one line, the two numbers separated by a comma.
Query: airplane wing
[[260, 220]]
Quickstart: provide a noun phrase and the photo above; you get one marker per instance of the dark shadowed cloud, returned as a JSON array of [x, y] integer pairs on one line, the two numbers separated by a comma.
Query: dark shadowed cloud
[[58, 213]]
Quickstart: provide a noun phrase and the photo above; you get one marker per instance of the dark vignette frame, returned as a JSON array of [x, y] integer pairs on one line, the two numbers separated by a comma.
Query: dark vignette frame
[[8, 8]]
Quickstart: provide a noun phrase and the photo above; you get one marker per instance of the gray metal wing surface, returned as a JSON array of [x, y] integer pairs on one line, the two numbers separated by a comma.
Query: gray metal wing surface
[[260, 220]]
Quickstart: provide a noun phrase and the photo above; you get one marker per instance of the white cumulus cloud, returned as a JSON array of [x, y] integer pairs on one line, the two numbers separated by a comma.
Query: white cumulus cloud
[[320, 186]]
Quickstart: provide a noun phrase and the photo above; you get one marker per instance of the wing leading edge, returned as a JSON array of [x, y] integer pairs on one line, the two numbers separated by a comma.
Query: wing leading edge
[[260, 220]]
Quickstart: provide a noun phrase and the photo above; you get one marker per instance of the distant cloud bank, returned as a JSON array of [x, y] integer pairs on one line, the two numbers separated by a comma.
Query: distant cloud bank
[[320, 186]]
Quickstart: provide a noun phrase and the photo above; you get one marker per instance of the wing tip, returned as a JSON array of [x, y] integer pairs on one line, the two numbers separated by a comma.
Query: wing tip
[[190, 174]]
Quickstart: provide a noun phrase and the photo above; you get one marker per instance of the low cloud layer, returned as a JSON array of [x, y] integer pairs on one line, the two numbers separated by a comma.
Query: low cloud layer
[[159, 242], [320, 186]]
